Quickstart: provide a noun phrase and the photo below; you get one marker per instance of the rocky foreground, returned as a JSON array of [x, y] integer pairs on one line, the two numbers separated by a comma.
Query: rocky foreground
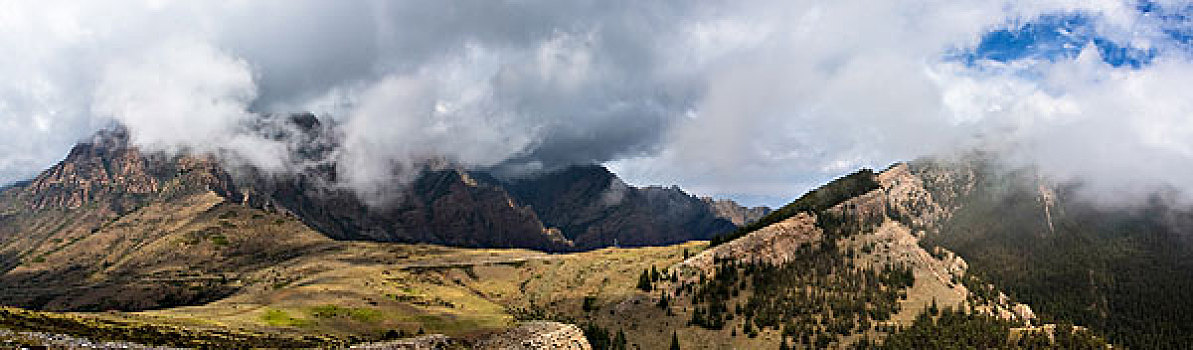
[[528, 335], [18, 340]]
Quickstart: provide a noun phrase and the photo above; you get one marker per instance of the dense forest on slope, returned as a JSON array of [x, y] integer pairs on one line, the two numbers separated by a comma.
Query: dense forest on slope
[[813, 301], [1124, 271], [954, 329]]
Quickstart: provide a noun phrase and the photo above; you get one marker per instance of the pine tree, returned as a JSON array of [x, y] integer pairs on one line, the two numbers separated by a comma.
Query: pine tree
[[644, 281], [697, 317], [674, 341]]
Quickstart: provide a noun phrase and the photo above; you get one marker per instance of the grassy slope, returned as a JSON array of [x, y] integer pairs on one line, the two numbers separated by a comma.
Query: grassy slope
[[370, 288], [287, 279]]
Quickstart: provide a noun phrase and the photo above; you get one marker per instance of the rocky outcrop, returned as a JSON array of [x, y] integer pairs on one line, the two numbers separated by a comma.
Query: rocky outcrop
[[426, 342], [109, 173], [737, 214], [538, 335], [948, 181], [532, 335], [901, 196], [774, 244], [102, 169]]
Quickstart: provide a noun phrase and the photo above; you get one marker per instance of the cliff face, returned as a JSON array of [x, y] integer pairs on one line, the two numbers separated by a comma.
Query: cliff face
[[107, 173], [96, 171], [737, 214], [774, 244], [441, 206]]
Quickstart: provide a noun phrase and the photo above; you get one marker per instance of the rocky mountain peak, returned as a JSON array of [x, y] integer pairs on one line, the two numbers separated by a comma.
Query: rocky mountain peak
[[112, 174], [735, 213], [95, 170], [595, 208]]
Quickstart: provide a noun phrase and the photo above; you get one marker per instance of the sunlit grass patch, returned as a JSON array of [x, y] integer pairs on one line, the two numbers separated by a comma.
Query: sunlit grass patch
[[355, 313], [280, 318]]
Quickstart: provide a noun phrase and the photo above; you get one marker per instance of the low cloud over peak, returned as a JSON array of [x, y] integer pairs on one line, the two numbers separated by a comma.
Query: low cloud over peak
[[751, 99]]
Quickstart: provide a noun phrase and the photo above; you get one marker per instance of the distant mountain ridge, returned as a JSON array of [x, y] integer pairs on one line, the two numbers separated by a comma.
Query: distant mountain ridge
[[595, 208], [576, 208], [735, 213]]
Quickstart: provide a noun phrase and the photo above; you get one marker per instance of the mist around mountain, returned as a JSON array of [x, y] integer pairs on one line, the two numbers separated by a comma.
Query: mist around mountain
[[273, 256], [935, 246], [1120, 269], [575, 208]]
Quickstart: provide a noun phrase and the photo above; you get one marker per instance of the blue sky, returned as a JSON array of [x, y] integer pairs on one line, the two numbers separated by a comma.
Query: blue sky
[[1061, 36]]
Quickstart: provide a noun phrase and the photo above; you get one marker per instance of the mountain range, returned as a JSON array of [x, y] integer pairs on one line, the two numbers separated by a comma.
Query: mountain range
[[69, 225], [574, 208], [919, 255]]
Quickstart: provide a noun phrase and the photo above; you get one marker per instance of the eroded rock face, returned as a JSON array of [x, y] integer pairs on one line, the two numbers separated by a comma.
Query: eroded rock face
[[109, 173], [907, 199], [442, 206], [533, 335], [774, 244], [946, 181], [737, 214], [98, 170]]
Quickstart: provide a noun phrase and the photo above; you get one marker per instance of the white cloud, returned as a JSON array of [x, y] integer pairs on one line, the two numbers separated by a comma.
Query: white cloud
[[755, 98], [181, 94]]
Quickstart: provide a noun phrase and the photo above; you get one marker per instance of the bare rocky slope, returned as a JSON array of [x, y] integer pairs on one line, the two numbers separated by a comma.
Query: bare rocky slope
[[734, 212]]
